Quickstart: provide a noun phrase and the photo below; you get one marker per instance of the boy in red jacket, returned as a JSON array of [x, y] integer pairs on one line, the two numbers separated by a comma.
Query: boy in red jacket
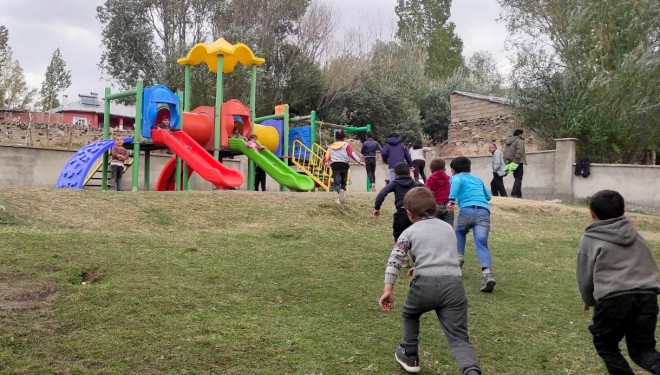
[[438, 183]]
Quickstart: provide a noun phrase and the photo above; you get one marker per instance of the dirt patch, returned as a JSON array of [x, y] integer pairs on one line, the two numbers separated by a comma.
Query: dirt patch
[[88, 276], [26, 296]]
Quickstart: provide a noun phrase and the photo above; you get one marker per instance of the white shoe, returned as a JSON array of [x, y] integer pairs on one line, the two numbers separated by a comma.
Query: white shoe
[[342, 196]]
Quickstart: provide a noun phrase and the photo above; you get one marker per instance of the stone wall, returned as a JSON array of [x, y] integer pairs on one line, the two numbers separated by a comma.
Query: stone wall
[[477, 122], [465, 108], [37, 134]]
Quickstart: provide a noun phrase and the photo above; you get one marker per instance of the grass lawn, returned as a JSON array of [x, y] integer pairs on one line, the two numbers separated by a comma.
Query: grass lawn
[[234, 282]]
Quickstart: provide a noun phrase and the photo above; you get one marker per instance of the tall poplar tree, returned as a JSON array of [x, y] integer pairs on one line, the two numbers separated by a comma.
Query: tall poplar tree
[[426, 22], [14, 92], [58, 78]]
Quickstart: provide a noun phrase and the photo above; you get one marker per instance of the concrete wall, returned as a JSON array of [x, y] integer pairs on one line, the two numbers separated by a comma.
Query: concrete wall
[[639, 184], [548, 174]]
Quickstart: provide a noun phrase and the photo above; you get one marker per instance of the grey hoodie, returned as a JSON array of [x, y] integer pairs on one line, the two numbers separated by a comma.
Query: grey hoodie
[[614, 259]]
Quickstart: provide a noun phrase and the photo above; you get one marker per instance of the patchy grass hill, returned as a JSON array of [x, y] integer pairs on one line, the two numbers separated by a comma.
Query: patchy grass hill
[[234, 282]]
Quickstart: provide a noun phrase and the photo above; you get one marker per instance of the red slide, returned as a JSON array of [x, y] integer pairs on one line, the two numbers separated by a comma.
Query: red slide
[[198, 158]]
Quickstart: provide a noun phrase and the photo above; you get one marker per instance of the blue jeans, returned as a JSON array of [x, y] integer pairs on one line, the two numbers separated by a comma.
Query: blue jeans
[[477, 219]]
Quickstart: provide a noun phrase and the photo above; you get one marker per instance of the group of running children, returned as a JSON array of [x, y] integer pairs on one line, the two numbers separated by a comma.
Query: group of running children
[[616, 272], [615, 269]]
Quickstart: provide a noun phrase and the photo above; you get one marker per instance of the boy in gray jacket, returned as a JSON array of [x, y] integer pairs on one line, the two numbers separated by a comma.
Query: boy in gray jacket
[[436, 285], [617, 274]]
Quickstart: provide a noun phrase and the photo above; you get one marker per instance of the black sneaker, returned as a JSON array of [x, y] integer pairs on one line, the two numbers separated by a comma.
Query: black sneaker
[[409, 363]]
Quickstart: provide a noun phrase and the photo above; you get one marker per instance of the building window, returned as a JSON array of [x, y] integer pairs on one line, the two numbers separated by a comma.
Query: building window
[[80, 121]]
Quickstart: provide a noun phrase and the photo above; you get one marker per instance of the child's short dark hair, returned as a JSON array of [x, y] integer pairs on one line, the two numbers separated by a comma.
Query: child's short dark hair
[[402, 169], [460, 164], [339, 135], [420, 202], [253, 136], [517, 132], [370, 134], [607, 204], [437, 164]]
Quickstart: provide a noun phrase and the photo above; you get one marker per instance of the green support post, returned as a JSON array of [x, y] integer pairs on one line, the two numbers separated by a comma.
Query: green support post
[[106, 135], [138, 132], [253, 114], [312, 130], [218, 108], [285, 140]]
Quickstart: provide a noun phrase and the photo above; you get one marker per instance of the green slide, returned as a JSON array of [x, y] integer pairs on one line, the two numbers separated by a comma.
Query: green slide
[[272, 165]]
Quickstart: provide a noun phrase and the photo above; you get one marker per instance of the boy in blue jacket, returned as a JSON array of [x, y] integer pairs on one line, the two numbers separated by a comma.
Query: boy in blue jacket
[[471, 195]]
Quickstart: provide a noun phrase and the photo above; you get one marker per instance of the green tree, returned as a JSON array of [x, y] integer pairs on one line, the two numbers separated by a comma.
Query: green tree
[[427, 22], [435, 108], [58, 78], [5, 61], [598, 82], [483, 75], [130, 48], [14, 92]]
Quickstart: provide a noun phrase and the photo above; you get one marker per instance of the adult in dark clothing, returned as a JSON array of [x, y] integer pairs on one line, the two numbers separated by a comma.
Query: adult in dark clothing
[[259, 178], [400, 185], [369, 149], [515, 153], [394, 153]]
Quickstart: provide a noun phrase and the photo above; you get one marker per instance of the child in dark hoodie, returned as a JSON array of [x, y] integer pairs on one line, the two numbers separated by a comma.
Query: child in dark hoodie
[[617, 274], [394, 153], [400, 185], [369, 149]]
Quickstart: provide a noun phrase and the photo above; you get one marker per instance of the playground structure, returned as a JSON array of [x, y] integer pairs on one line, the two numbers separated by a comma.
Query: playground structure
[[202, 137]]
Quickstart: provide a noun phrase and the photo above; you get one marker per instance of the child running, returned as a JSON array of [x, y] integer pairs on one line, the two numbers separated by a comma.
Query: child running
[[401, 184], [472, 197], [436, 285], [438, 183], [617, 274], [338, 155]]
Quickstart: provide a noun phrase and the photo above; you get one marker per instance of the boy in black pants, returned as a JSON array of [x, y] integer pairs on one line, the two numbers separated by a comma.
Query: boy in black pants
[[617, 274], [400, 186], [436, 285]]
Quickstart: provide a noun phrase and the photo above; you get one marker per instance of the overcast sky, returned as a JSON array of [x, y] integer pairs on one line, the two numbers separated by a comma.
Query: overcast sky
[[38, 27]]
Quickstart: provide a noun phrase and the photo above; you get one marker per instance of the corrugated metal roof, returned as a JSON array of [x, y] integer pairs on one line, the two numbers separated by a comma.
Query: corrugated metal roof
[[492, 99], [115, 109]]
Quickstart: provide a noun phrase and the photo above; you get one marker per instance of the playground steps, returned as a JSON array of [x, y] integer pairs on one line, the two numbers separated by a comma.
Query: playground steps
[[94, 178], [310, 162]]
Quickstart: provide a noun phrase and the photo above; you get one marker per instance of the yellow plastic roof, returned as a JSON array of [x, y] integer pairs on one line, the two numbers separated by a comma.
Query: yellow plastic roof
[[233, 54]]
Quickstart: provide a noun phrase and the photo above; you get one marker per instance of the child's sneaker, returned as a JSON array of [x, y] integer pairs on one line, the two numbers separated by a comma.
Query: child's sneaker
[[409, 363], [487, 282], [373, 188], [342, 196]]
